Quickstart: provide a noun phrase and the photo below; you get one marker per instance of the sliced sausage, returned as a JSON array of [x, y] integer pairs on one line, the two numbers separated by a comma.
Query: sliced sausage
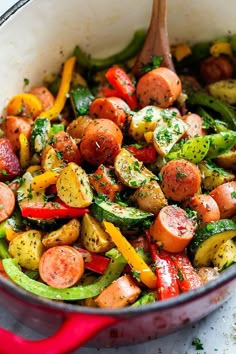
[[225, 197], [44, 96], [65, 144], [9, 162], [195, 123], [159, 87], [214, 69], [61, 266], [112, 108], [13, 126], [181, 179], [7, 201], [206, 208], [172, 229], [122, 292], [101, 142]]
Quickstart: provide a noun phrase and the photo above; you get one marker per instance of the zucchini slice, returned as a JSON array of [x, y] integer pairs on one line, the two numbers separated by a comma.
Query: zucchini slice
[[126, 218], [225, 256], [208, 239]]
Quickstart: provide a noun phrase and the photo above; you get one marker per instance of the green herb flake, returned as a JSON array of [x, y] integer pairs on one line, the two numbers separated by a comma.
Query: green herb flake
[[197, 343], [155, 63], [26, 81], [233, 194]]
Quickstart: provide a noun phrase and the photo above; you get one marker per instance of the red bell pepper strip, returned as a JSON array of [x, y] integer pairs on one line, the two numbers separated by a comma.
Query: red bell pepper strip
[[123, 85], [95, 262], [166, 273], [109, 92], [188, 279], [58, 209], [146, 154]]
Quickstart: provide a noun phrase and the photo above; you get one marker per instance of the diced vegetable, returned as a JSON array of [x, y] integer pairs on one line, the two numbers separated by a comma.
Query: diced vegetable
[[145, 120], [65, 235], [208, 239], [112, 272], [73, 186], [126, 218], [130, 170], [81, 98], [225, 256], [93, 236], [135, 261], [27, 248]]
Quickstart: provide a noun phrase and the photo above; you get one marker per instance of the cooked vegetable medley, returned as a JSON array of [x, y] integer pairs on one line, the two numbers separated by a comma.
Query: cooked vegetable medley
[[118, 190]]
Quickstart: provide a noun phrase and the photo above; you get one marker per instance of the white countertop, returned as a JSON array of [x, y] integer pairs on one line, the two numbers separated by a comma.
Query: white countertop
[[217, 332]]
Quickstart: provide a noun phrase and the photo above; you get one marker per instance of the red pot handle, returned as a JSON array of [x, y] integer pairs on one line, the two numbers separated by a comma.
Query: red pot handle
[[74, 332]]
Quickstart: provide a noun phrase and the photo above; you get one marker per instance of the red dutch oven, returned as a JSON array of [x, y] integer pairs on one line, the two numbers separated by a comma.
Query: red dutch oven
[[32, 34]]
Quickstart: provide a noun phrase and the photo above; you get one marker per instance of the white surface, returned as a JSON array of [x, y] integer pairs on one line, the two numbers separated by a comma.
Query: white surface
[[217, 332]]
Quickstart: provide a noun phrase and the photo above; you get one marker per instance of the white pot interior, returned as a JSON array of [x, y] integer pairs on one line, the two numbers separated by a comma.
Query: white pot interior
[[39, 36]]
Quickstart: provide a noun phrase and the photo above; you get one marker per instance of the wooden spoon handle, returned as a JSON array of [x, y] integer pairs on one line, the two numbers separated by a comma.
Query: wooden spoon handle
[[157, 41]]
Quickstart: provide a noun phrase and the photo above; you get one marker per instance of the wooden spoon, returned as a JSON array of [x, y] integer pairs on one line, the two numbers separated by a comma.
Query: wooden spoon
[[157, 41]]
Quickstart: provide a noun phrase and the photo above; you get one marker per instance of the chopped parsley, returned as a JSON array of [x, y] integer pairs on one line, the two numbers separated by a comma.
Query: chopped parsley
[[148, 115], [164, 135], [155, 63], [26, 81], [180, 174], [136, 275], [197, 343], [233, 194]]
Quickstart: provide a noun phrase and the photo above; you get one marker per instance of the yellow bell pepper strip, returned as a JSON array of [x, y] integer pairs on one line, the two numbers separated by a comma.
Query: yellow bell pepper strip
[[24, 151], [33, 168], [60, 100], [221, 48], [181, 51], [146, 275], [44, 180], [24, 104]]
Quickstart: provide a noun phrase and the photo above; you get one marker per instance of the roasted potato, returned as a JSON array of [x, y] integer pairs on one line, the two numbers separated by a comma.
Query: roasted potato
[[150, 197], [130, 171], [50, 159], [213, 177], [93, 236], [65, 235], [224, 90], [27, 249], [76, 127], [227, 160], [73, 186]]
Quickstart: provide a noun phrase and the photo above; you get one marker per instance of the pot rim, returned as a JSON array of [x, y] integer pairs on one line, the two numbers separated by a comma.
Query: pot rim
[[229, 275]]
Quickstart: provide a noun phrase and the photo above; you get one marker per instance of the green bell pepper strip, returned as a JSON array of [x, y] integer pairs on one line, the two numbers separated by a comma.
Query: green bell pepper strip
[[112, 272], [14, 222], [220, 143], [232, 42], [4, 249], [200, 50], [202, 99], [210, 122], [144, 300], [128, 52], [81, 98], [211, 146], [193, 150]]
